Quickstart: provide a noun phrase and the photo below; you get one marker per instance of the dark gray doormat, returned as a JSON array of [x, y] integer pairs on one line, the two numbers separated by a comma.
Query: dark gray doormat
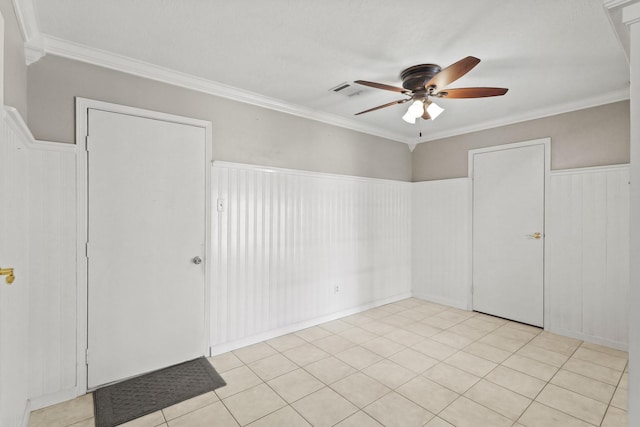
[[130, 399]]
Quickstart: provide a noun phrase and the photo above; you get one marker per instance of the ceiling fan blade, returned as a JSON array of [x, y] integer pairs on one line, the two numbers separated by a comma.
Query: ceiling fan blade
[[382, 86], [453, 72], [401, 101], [471, 92]]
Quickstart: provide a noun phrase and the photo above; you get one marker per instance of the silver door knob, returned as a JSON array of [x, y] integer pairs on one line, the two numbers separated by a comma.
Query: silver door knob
[[197, 260]]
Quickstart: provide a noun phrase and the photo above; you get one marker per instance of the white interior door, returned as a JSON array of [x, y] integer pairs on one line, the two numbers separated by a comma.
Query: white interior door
[[508, 211], [146, 226]]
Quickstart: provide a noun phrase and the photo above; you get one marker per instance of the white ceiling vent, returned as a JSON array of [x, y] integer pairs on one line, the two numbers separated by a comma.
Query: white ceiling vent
[[347, 89]]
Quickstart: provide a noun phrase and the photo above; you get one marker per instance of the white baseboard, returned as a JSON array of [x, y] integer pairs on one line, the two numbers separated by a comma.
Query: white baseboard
[[618, 345], [233, 345], [462, 305], [53, 398]]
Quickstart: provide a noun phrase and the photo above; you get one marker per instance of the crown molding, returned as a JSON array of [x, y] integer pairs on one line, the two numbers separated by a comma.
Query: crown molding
[[78, 52], [27, 19], [34, 49], [101, 58], [610, 4], [614, 10], [631, 14], [38, 45], [568, 107]]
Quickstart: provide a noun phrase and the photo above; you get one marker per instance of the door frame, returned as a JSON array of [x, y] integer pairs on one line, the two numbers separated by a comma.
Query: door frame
[[82, 116], [546, 143]]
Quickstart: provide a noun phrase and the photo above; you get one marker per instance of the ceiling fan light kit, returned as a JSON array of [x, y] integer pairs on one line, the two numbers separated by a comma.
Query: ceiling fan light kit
[[433, 109], [422, 108], [415, 111], [421, 81]]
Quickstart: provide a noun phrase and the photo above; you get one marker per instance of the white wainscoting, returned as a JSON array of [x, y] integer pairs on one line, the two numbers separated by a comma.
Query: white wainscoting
[[587, 254], [440, 241], [14, 247], [586, 250], [283, 242], [52, 250], [286, 239], [43, 178]]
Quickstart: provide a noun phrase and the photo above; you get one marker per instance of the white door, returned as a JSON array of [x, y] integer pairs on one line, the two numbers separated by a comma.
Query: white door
[[508, 211], [146, 227]]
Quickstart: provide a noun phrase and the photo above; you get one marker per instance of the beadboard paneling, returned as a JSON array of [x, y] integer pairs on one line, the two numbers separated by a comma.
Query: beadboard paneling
[[440, 241], [40, 182], [587, 254], [286, 239], [52, 248], [14, 253], [586, 250]]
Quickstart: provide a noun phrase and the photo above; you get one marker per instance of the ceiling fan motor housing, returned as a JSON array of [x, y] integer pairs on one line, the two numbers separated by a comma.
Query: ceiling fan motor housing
[[415, 78]]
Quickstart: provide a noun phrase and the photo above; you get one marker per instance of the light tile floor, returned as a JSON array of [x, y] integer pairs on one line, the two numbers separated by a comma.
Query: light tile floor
[[410, 363]]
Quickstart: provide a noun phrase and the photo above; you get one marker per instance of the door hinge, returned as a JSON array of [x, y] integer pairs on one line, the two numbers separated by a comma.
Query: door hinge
[[86, 250], [86, 356], [86, 143]]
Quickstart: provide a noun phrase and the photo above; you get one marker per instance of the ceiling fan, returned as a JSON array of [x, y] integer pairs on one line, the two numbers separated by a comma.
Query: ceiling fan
[[428, 80]]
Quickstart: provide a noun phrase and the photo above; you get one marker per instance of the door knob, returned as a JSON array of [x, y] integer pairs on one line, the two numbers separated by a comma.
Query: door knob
[[197, 260], [535, 235], [9, 273]]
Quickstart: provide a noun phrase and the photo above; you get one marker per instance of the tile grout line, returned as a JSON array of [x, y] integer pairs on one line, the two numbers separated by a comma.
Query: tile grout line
[[499, 364], [422, 373], [402, 327], [403, 310], [614, 393], [547, 383], [302, 367], [484, 377], [460, 395], [266, 384], [329, 385]]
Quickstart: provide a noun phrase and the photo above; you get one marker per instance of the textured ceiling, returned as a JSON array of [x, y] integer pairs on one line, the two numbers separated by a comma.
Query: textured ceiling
[[553, 55]]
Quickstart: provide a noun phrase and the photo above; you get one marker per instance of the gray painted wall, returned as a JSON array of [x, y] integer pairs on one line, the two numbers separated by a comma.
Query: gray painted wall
[[591, 137], [241, 132], [15, 67]]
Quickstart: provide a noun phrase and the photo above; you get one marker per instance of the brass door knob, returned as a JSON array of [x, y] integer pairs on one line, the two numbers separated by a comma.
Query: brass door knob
[[9, 273], [535, 235]]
